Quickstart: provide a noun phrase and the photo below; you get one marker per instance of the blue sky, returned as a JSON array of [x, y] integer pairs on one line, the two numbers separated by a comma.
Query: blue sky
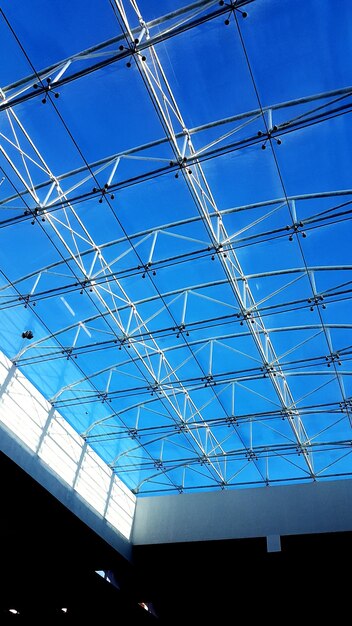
[[280, 52]]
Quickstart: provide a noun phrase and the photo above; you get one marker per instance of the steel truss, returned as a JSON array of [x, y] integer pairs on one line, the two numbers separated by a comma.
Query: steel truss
[[199, 417], [107, 168], [63, 72]]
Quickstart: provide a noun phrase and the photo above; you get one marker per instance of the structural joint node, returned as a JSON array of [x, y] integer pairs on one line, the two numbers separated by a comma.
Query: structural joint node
[[346, 405], [155, 388], [68, 352], [208, 380], [301, 449], [269, 368], [269, 135], [245, 316], [103, 396], [334, 357], [316, 301], [180, 329], [251, 455], [296, 230], [232, 7]]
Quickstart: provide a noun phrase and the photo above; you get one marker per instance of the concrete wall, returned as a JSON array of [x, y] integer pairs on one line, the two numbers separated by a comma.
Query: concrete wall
[[40, 472], [36, 437], [263, 512]]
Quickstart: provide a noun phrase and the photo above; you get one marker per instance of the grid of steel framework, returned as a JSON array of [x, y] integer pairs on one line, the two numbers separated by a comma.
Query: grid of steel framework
[[175, 228]]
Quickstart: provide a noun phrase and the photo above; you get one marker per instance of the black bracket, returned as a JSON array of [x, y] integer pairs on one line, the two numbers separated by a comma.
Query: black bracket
[[146, 268], [84, 284], [123, 340], [154, 388], [180, 329], [245, 316], [103, 396], [132, 48], [46, 89], [332, 358], [268, 369], [346, 405], [232, 8], [103, 191], [269, 134], [316, 301], [182, 163], [68, 352], [27, 300], [218, 249], [251, 455], [295, 227], [208, 380]]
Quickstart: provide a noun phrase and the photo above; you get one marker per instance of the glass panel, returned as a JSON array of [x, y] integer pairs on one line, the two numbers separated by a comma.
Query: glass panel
[[74, 20], [287, 60], [205, 83], [183, 296]]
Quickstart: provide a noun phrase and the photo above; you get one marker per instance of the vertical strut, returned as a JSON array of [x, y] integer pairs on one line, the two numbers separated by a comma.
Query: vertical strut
[[164, 101]]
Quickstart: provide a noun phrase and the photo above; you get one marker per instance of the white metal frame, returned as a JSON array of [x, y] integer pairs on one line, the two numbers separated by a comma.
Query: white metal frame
[[53, 205]]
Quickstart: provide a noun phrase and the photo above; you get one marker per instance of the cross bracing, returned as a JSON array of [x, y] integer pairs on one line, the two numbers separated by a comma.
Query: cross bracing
[[242, 135], [182, 324]]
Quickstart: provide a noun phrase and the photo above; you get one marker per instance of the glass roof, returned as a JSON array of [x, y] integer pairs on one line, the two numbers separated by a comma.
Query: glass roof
[[175, 206]]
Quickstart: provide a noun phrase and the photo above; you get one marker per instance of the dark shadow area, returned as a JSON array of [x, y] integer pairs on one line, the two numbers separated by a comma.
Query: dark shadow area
[[49, 558], [226, 581]]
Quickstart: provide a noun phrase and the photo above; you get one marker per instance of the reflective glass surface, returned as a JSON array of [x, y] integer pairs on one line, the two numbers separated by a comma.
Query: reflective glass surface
[[175, 253]]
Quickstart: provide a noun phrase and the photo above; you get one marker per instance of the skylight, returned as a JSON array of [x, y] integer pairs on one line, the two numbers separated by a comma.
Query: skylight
[[175, 233]]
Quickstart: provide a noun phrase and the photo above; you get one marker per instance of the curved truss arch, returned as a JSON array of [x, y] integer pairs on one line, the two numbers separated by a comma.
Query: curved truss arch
[[206, 348]]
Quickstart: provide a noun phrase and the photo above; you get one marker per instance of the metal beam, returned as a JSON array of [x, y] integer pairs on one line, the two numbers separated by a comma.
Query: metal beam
[[22, 361], [112, 432], [59, 73], [113, 160], [83, 323], [94, 275], [183, 222], [192, 385], [70, 232], [163, 99]]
